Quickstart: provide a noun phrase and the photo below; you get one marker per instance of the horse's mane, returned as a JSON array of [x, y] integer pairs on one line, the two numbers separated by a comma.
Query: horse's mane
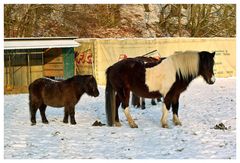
[[73, 78], [185, 63]]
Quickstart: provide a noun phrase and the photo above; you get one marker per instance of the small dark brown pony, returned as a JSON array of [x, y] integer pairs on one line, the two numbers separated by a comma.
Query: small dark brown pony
[[45, 92]]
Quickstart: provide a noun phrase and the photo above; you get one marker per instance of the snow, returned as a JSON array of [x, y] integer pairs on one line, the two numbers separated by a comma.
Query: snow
[[201, 107]]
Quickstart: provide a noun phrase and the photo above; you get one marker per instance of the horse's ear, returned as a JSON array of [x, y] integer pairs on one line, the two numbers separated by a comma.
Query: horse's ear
[[90, 77], [213, 54]]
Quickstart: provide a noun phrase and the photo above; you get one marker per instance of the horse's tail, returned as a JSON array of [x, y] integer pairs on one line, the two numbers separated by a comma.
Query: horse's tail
[[110, 100], [30, 102], [30, 92]]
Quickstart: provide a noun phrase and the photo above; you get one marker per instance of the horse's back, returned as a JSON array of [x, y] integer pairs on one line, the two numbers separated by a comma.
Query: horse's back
[[35, 91], [41, 85], [128, 72], [126, 66], [47, 91], [36, 85]]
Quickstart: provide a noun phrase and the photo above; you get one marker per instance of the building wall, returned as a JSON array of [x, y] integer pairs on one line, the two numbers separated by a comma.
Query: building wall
[[53, 63], [17, 73], [57, 62]]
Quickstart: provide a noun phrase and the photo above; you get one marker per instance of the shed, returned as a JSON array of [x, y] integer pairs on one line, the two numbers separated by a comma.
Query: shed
[[26, 59]]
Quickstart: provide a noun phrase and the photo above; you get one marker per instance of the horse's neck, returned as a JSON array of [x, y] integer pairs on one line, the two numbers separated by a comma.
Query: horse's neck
[[79, 84], [160, 77]]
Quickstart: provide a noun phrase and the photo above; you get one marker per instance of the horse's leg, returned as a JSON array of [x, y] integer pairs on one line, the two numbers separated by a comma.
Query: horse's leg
[[66, 114], [153, 102], [135, 100], [131, 122], [165, 111], [125, 104], [118, 102], [72, 115], [33, 109], [142, 103], [175, 105], [42, 112]]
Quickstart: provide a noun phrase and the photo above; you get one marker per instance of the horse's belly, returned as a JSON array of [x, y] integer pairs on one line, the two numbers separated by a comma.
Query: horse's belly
[[58, 96], [143, 91], [54, 102], [147, 94], [53, 99]]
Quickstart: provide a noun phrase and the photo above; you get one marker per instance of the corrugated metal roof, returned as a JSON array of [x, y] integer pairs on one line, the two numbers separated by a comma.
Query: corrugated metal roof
[[39, 43]]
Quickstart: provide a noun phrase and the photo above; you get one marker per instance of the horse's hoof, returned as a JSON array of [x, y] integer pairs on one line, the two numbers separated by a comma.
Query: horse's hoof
[[45, 122], [118, 124], [143, 107], [165, 126], [153, 103], [65, 121], [33, 124], [177, 123], [133, 125], [176, 120], [73, 123]]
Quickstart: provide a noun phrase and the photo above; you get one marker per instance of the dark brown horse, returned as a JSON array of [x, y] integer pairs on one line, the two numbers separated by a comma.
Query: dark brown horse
[[167, 79], [139, 102], [55, 93]]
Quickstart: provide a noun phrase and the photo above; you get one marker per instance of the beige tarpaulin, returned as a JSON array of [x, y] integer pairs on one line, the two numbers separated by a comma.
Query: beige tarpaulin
[[84, 58], [108, 51]]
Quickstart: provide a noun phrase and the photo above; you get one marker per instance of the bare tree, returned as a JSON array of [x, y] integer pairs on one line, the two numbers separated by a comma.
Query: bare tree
[[90, 20]]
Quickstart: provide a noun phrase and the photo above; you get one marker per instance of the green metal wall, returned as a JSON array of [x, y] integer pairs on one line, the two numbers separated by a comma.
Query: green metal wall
[[68, 59]]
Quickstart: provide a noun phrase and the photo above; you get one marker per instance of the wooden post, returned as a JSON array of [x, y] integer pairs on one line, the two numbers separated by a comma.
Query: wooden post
[[94, 63], [29, 66], [28, 70], [42, 63], [12, 70], [8, 78]]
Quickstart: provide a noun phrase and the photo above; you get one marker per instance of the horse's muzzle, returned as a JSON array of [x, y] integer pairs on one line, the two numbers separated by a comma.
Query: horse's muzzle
[[212, 80], [96, 94]]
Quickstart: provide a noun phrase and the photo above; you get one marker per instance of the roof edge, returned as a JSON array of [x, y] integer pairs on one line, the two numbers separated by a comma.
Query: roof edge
[[39, 38]]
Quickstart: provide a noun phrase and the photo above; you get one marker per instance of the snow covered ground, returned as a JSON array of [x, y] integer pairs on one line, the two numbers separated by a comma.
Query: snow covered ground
[[202, 106]]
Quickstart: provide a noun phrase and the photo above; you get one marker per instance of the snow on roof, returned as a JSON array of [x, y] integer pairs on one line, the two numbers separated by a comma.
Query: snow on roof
[[39, 43]]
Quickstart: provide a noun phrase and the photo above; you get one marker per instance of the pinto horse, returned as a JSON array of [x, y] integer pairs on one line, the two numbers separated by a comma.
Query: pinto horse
[[168, 79], [56, 93]]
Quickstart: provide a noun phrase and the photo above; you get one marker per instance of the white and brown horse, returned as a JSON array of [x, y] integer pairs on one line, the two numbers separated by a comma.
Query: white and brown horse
[[168, 79]]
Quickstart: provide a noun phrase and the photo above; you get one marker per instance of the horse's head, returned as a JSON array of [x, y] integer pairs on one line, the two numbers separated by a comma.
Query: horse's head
[[206, 64], [91, 86]]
